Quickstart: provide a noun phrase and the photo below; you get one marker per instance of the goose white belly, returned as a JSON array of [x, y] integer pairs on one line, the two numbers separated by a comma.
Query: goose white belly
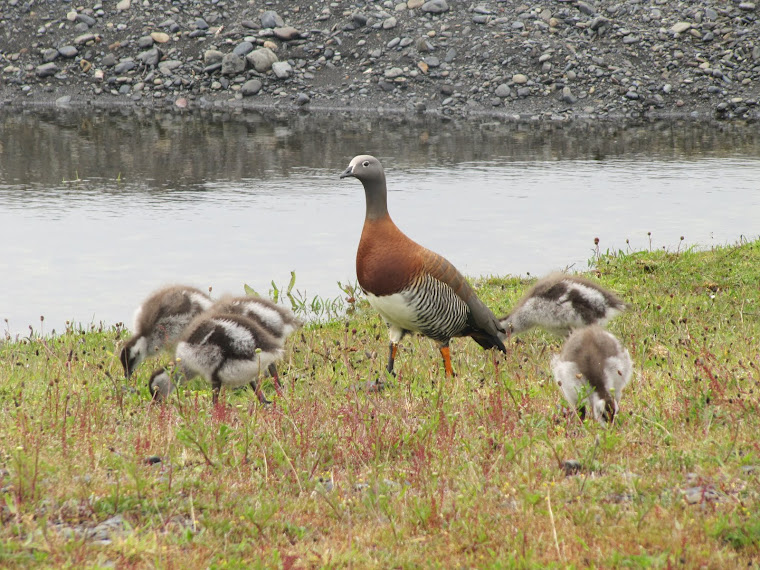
[[395, 310]]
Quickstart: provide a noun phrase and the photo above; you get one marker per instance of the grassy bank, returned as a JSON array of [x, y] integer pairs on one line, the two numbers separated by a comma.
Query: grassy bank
[[432, 473]]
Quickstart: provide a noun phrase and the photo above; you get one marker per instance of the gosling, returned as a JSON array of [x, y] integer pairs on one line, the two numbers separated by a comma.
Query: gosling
[[278, 321], [159, 321], [226, 349], [594, 366], [560, 303]]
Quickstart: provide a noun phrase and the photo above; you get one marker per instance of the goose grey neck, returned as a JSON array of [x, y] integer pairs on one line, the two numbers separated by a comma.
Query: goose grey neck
[[377, 198]]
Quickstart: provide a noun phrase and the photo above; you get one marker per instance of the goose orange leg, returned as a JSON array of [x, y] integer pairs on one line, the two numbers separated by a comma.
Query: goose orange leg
[[392, 350], [446, 353]]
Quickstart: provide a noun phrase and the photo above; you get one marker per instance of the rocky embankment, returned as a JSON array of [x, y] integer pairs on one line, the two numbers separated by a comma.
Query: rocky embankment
[[554, 58]]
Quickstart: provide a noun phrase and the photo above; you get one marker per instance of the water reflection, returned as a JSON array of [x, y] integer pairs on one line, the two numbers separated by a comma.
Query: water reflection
[[97, 210]]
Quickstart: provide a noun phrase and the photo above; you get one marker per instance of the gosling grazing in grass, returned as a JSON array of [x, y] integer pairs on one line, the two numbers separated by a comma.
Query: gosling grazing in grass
[[278, 321], [159, 321], [560, 303], [226, 349], [594, 366]]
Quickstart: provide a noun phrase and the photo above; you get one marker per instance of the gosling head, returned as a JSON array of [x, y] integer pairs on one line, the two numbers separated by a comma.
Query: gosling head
[[133, 353], [160, 384]]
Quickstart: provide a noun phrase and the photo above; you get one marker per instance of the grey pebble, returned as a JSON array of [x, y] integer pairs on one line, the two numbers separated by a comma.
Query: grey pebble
[[270, 19], [170, 25], [282, 69], [435, 6], [567, 95], [503, 90], [50, 55], [571, 467], [251, 87], [424, 45], [68, 51], [243, 48], [232, 64], [212, 56], [125, 66], [586, 8], [89, 21], [149, 57], [262, 59]]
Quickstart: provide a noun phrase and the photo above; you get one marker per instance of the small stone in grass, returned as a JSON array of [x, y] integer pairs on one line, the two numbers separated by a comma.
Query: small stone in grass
[[571, 467]]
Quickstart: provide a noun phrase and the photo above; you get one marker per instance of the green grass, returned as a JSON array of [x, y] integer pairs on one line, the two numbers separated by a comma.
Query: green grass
[[431, 473]]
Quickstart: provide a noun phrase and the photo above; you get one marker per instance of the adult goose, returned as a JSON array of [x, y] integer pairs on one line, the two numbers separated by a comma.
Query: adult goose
[[413, 288]]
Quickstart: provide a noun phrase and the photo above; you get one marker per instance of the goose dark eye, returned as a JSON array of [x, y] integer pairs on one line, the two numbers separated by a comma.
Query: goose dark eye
[[365, 164]]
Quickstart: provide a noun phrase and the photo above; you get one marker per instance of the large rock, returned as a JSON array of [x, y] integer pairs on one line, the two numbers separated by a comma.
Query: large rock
[[46, 69], [232, 64], [435, 6], [282, 69], [243, 48], [212, 56], [49, 55], [503, 90], [251, 87], [68, 51], [262, 59], [287, 33], [125, 65], [149, 57], [160, 37], [167, 67], [271, 19]]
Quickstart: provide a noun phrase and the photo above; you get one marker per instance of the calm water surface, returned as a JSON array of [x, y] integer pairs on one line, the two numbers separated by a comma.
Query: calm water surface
[[98, 210]]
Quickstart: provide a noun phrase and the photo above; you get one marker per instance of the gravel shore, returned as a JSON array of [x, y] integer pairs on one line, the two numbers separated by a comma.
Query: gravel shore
[[552, 59]]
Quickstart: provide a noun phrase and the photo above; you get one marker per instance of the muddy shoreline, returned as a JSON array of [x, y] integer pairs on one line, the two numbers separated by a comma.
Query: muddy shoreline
[[554, 60]]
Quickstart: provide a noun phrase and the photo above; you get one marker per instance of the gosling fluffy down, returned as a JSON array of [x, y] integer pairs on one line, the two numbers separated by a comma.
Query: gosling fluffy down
[[560, 303], [593, 366], [278, 321], [159, 321], [226, 349]]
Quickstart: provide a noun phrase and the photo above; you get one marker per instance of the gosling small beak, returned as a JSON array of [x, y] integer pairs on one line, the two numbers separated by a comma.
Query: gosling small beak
[[347, 172]]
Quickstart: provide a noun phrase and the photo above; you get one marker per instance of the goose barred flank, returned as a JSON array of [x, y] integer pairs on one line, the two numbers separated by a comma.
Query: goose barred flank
[[441, 314]]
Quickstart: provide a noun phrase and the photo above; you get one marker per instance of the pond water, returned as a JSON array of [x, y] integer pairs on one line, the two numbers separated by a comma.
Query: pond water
[[98, 209]]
